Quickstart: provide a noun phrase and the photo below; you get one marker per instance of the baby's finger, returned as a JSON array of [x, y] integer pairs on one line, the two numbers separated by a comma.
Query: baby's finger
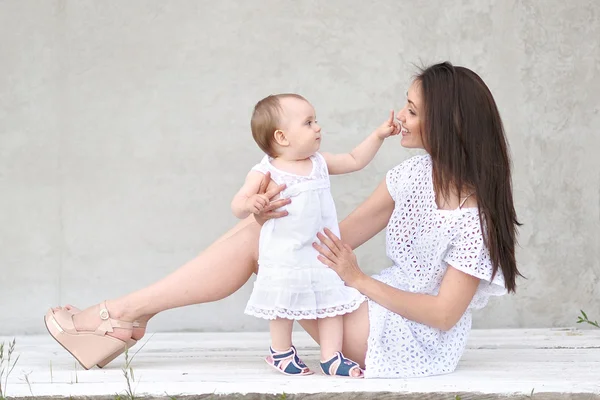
[[264, 199], [391, 120]]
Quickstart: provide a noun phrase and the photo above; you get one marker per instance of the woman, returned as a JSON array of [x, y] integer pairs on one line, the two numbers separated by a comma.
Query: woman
[[451, 229]]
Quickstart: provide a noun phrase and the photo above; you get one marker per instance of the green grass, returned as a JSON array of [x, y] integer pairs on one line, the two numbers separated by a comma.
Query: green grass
[[583, 318], [6, 354]]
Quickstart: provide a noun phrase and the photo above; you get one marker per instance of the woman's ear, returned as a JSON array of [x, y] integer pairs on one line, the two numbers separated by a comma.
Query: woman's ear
[[280, 138]]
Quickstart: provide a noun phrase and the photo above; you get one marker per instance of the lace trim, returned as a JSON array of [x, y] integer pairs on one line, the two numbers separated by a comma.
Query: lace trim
[[304, 314], [320, 171]]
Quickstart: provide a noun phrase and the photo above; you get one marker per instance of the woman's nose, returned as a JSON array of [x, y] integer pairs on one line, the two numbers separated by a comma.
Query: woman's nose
[[400, 116]]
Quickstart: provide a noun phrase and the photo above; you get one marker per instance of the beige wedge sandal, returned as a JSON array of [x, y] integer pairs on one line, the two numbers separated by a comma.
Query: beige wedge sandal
[[130, 342], [88, 347]]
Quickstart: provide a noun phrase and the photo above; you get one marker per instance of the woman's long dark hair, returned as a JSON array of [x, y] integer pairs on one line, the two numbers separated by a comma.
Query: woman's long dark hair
[[463, 133]]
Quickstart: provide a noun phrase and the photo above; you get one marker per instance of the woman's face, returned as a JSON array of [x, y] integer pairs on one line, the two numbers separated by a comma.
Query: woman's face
[[411, 117]]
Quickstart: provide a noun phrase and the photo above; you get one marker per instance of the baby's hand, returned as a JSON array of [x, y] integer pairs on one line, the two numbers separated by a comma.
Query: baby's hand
[[391, 127], [256, 203]]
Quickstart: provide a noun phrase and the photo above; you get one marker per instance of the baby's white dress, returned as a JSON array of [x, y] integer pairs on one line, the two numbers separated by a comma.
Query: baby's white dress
[[292, 283]]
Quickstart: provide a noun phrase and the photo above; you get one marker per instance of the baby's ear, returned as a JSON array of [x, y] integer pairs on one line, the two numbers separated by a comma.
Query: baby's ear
[[280, 138]]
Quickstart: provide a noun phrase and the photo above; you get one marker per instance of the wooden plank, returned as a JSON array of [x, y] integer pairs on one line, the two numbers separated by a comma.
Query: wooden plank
[[496, 363]]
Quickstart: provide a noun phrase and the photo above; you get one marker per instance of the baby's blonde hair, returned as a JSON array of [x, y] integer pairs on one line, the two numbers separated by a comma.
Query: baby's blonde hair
[[266, 119]]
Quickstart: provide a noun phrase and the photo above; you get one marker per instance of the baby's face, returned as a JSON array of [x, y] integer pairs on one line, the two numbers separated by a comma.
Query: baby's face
[[299, 124]]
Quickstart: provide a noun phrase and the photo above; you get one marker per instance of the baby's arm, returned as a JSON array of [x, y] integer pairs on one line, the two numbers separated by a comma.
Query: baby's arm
[[362, 154], [247, 200]]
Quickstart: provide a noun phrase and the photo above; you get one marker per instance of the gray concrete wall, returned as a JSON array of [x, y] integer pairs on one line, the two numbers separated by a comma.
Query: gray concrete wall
[[124, 132]]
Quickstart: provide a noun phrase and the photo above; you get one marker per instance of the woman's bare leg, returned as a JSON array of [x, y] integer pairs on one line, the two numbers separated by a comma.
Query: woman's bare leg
[[356, 334], [139, 332], [216, 273], [238, 227]]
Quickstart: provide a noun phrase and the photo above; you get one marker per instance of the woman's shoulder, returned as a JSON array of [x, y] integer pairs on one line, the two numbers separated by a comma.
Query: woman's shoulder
[[406, 173], [415, 163], [468, 220], [418, 164]]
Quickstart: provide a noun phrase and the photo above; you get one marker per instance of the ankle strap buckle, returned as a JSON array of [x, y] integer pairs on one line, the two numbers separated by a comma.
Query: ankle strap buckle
[[104, 314]]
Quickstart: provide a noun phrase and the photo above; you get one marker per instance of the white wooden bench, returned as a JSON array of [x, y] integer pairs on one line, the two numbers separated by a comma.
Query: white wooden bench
[[550, 363]]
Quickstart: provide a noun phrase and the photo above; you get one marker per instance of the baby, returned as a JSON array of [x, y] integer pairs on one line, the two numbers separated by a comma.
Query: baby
[[292, 284]]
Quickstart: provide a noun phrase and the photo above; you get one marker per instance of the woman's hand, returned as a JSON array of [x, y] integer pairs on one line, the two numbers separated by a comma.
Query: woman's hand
[[339, 257], [269, 211]]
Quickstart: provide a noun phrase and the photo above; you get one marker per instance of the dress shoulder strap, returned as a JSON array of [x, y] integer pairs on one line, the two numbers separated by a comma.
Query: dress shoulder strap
[[462, 203], [321, 169], [263, 165]]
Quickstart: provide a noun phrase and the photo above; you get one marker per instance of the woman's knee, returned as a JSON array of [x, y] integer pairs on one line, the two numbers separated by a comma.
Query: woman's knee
[[246, 240], [356, 334]]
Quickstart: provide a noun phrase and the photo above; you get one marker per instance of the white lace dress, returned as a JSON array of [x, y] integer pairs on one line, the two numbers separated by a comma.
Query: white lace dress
[[292, 283], [422, 241]]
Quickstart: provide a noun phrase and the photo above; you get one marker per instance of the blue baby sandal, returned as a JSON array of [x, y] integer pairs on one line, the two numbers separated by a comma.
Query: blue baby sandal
[[287, 362], [344, 368]]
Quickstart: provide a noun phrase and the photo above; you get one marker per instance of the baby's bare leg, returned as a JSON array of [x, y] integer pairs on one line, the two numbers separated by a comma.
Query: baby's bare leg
[[356, 333], [331, 334], [281, 334]]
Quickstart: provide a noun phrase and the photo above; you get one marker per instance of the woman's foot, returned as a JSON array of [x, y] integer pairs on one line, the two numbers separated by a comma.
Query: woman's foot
[[139, 329], [92, 335], [139, 325]]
